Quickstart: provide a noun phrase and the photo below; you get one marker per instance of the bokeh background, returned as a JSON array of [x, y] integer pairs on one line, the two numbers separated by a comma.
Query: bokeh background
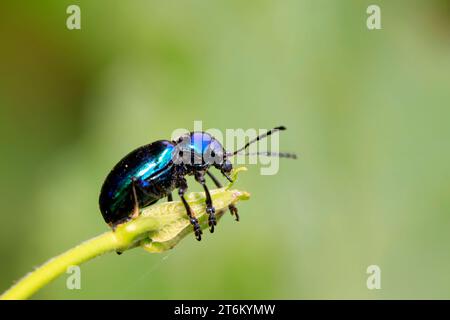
[[368, 111]]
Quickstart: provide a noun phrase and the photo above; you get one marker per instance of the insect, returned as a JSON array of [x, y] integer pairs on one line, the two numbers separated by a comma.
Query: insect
[[153, 171]]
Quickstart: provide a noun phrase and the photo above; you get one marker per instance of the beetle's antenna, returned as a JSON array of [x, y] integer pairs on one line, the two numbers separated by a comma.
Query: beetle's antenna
[[262, 136], [287, 155]]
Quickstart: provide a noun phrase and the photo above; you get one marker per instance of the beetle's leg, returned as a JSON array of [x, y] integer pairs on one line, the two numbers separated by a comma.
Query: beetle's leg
[[182, 187], [200, 177], [227, 176], [169, 197], [231, 207], [135, 199]]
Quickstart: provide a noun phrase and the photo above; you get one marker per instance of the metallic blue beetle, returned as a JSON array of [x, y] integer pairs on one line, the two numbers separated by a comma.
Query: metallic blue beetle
[[153, 171]]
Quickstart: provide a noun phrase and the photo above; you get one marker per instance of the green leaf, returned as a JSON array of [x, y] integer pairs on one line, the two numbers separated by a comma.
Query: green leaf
[[175, 222]]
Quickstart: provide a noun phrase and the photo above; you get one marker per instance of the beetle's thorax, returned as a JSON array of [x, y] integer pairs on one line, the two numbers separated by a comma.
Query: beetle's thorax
[[197, 151]]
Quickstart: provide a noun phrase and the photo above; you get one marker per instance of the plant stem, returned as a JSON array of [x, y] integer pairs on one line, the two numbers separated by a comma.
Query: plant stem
[[123, 238], [158, 228]]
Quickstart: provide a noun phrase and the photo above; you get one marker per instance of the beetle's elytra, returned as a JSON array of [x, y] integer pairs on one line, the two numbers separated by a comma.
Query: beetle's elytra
[[153, 171]]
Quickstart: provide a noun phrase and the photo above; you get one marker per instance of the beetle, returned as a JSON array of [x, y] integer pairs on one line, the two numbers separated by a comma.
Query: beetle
[[151, 172]]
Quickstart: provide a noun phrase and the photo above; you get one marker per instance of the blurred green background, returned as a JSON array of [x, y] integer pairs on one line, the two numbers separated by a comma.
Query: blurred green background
[[368, 111]]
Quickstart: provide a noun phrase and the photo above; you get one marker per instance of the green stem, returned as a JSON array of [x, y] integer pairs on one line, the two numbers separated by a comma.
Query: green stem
[[125, 237], [158, 228]]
